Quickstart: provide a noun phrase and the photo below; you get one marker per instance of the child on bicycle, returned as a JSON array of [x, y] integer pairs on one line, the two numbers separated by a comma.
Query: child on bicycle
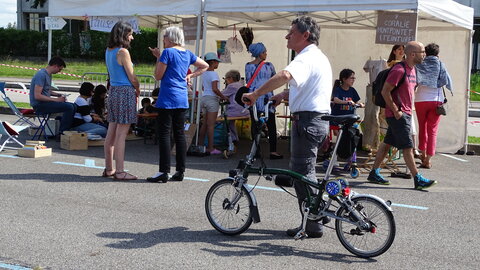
[[344, 97]]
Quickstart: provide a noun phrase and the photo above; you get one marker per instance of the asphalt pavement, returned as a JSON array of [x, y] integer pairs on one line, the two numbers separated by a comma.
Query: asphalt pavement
[[58, 213]]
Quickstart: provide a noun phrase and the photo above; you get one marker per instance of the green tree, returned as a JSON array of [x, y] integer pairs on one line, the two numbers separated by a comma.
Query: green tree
[[12, 25]]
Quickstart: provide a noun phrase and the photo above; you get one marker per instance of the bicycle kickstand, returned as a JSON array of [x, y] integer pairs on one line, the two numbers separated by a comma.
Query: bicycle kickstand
[[302, 234]]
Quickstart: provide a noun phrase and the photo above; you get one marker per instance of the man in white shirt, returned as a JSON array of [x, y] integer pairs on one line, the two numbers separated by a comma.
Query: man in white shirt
[[310, 79]]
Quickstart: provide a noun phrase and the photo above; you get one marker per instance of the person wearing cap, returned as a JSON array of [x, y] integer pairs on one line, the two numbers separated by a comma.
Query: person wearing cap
[[210, 101], [172, 103], [267, 70]]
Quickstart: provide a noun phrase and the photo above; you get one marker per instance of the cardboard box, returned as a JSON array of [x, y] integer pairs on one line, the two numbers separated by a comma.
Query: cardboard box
[[96, 142], [189, 130], [73, 140], [34, 153], [190, 133]]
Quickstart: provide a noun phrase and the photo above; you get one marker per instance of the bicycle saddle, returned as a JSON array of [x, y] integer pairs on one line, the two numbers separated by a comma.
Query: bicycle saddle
[[342, 119]]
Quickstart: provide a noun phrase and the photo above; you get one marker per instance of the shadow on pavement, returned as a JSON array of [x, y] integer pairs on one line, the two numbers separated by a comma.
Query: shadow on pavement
[[232, 246]]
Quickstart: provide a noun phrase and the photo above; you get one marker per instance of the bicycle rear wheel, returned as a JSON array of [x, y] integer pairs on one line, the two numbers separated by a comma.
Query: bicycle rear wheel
[[223, 213], [367, 243]]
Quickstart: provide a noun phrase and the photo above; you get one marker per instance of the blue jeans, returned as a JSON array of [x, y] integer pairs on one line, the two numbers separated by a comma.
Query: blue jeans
[[91, 128], [67, 108]]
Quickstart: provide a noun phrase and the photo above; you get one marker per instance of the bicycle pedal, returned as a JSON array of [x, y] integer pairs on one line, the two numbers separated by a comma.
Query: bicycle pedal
[[301, 235]]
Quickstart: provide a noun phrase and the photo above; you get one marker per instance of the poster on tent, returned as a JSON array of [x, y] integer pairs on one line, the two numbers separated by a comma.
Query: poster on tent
[[222, 52], [105, 24], [396, 27], [190, 28]]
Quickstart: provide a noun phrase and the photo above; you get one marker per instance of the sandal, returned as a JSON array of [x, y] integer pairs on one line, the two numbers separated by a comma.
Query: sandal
[[426, 166], [126, 176], [105, 174]]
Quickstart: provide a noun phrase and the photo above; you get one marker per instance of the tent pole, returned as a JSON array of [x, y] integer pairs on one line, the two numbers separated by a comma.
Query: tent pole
[[469, 57], [197, 51], [49, 44], [200, 92]]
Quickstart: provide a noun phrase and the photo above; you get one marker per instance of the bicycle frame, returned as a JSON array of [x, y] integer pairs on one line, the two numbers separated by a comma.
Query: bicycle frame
[[313, 200], [357, 216]]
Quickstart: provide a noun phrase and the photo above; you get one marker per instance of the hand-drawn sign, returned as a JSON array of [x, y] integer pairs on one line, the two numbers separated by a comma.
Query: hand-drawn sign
[[54, 23], [395, 27]]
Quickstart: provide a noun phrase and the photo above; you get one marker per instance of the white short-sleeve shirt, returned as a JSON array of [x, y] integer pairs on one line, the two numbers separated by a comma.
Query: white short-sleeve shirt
[[208, 77], [311, 86]]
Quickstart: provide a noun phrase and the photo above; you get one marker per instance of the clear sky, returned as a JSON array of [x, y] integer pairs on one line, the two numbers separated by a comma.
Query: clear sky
[[8, 12]]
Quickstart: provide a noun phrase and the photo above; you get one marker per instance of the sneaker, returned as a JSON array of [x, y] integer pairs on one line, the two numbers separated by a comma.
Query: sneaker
[[422, 182], [375, 177], [215, 152]]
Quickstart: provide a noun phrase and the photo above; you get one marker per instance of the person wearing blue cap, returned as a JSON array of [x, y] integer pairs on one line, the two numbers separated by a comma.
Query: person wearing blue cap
[[267, 70], [210, 101]]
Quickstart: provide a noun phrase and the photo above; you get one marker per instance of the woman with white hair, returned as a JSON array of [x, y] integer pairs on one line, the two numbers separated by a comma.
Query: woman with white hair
[[266, 71], [172, 103]]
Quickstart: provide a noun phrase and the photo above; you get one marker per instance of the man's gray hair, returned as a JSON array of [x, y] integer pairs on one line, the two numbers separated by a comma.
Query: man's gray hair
[[306, 23], [175, 35]]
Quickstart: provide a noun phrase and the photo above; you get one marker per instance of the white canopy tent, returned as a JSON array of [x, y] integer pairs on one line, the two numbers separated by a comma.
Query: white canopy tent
[[347, 34]]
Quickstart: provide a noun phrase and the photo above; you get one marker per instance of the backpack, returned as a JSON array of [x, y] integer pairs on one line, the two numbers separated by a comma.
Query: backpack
[[377, 85]]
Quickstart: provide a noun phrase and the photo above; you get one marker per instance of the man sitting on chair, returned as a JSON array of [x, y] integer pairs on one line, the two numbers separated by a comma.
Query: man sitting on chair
[[45, 101]]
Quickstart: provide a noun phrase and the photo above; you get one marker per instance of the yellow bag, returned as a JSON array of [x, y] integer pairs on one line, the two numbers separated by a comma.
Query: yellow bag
[[244, 128]]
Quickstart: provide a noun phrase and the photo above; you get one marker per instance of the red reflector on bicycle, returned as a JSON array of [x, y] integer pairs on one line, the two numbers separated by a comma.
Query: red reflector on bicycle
[[373, 230], [346, 191]]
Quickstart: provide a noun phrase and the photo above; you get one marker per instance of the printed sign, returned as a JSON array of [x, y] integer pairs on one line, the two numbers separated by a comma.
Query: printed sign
[[105, 24], [222, 51], [396, 27]]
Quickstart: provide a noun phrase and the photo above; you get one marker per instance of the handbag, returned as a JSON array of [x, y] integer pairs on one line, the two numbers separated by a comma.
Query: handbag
[[246, 89], [441, 109]]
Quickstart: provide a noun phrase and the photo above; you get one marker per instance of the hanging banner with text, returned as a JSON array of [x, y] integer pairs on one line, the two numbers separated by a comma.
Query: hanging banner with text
[[105, 24], [395, 27]]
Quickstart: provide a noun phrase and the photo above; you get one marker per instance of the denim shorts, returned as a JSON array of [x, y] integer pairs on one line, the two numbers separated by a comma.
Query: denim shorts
[[211, 103], [399, 132]]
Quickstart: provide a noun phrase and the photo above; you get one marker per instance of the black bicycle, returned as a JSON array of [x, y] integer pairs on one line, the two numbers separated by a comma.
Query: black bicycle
[[364, 223]]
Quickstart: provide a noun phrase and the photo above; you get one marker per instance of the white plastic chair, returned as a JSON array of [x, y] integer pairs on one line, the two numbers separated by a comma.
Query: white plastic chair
[[11, 132]]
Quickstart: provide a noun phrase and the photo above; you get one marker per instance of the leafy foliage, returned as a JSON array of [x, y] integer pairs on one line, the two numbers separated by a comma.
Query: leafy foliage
[[27, 43], [475, 86]]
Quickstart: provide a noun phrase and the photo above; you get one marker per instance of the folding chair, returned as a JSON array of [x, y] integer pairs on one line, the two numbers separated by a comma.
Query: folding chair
[[23, 118], [11, 132], [42, 128]]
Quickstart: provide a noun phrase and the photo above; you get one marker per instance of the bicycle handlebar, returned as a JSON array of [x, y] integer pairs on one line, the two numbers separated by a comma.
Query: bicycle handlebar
[[263, 118]]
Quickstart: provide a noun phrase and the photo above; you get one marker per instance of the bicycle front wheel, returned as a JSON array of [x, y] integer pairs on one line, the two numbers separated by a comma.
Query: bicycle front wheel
[[228, 207], [366, 243]]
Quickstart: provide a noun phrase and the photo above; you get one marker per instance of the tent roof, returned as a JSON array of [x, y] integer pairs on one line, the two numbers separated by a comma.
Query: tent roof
[[265, 13]]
